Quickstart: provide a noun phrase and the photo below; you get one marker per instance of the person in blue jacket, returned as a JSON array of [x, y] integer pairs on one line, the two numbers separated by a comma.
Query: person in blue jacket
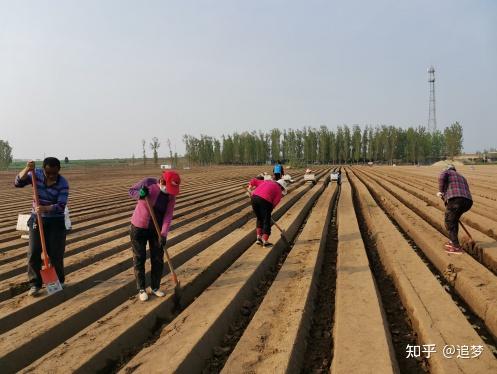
[[278, 171]]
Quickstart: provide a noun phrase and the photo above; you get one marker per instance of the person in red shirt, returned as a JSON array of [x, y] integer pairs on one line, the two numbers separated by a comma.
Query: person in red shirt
[[454, 190], [265, 195]]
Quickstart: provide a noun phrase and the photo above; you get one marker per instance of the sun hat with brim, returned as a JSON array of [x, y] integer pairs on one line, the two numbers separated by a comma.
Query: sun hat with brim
[[451, 167], [173, 181]]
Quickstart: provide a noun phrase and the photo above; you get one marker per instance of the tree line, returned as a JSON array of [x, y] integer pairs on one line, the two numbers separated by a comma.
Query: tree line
[[386, 144]]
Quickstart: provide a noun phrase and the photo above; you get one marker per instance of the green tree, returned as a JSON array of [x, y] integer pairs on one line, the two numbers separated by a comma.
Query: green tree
[[284, 146], [400, 152], [437, 145], [453, 139], [310, 145], [299, 146], [217, 151], [347, 144], [411, 146], [275, 144], [227, 149], [392, 137], [356, 143], [340, 144], [237, 154], [364, 144], [377, 144], [333, 148], [370, 144], [192, 149], [290, 146], [324, 145], [423, 143], [5, 154]]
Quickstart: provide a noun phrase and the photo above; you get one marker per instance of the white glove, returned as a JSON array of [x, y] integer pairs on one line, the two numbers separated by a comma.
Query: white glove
[[440, 195]]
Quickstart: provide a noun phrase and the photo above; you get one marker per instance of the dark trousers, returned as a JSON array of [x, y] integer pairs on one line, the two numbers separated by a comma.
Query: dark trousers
[[139, 238], [277, 176], [453, 211], [262, 209], [55, 241]]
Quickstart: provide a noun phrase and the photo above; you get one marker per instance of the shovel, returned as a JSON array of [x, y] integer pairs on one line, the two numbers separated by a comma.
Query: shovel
[[177, 287], [471, 241], [283, 234], [48, 273]]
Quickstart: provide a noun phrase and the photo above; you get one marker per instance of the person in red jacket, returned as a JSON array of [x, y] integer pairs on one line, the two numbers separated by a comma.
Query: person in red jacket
[[265, 195]]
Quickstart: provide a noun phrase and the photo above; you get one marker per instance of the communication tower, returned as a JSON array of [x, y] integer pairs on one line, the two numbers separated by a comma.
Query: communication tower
[[432, 116]]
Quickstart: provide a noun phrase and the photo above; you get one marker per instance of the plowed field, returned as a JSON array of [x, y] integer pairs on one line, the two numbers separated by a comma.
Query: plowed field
[[359, 283]]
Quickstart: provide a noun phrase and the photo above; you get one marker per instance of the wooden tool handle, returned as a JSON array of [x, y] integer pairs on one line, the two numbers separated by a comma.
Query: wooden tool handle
[[39, 219], [159, 236], [466, 230]]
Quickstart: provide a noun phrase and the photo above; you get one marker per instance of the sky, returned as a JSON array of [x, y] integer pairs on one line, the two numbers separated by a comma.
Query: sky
[[91, 79]]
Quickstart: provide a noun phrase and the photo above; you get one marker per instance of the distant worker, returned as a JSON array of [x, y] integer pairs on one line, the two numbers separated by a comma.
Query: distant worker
[[162, 197], [278, 171], [265, 195], [53, 192], [339, 178], [454, 190]]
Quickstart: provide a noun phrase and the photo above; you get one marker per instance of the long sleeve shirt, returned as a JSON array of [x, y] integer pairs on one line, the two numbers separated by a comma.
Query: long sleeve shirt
[[267, 189], [162, 205], [452, 184], [55, 196]]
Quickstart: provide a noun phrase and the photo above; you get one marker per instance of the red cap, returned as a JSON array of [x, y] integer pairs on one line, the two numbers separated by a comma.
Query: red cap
[[173, 181]]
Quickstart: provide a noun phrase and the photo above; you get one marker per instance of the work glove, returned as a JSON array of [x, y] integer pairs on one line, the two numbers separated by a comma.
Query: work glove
[[144, 192], [440, 195], [162, 241]]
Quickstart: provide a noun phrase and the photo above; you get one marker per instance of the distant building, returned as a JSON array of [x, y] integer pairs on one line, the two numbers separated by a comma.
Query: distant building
[[469, 157], [490, 156]]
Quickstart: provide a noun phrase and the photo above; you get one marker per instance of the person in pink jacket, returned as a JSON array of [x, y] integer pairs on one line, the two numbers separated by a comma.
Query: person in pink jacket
[[265, 195], [162, 197]]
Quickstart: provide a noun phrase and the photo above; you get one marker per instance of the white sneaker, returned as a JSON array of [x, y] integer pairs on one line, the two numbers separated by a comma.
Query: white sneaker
[[158, 293], [143, 295], [34, 291]]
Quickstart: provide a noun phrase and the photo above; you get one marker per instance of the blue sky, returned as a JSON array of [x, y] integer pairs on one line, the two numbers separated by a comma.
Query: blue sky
[[90, 79]]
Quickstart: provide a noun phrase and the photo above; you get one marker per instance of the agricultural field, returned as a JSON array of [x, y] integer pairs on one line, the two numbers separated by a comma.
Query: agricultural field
[[356, 284]]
